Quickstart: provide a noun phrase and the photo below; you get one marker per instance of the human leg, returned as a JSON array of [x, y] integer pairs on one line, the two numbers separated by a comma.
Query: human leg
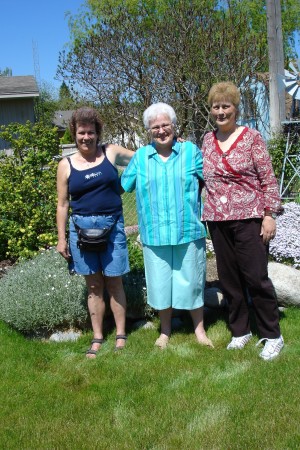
[[253, 262], [158, 273], [115, 289], [165, 316], [96, 306], [188, 275], [188, 283], [224, 241], [197, 317]]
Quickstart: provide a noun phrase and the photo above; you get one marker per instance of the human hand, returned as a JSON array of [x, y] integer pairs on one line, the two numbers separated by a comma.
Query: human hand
[[63, 249], [268, 229]]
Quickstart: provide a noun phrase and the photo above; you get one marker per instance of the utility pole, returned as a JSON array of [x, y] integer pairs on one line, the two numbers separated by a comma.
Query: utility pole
[[276, 65]]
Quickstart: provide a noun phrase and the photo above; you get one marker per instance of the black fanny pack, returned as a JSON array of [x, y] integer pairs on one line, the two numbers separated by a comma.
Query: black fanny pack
[[93, 239]]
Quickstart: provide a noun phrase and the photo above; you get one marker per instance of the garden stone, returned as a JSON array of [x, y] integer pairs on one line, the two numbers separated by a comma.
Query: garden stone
[[286, 281], [63, 336], [144, 324]]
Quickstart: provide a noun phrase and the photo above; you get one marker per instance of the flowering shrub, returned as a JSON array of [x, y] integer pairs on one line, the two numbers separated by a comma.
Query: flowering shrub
[[286, 244], [28, 190], [40, 294]]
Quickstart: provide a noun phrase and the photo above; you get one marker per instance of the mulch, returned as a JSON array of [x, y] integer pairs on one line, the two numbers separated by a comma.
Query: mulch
[[5, 264]]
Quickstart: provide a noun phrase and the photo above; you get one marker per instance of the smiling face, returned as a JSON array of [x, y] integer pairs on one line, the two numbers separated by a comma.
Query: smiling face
[[86, 137], [224, 114], [162, 131]]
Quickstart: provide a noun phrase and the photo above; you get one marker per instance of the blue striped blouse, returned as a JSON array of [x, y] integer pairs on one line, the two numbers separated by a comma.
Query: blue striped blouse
[[167, 194]]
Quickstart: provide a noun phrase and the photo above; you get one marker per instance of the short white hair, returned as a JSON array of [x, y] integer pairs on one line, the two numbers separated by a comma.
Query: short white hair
[[156, 110]]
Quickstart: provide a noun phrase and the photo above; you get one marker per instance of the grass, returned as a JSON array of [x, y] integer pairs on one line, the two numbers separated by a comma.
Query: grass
[[186, 397]]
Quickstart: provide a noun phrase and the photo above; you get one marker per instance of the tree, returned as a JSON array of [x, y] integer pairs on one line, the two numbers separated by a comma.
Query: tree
[[276, 66], [125, 55], [7, 72], [65, 100], [46, 104]]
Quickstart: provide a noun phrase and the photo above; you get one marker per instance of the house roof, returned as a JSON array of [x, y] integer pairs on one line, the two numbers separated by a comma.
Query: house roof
[[18, 87], [62, 118]]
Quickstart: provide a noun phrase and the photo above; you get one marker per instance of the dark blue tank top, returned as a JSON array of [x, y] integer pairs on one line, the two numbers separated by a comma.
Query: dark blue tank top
[[96, 190]]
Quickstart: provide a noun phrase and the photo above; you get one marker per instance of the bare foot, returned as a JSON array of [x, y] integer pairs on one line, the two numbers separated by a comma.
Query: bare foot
[[204, 340], [162, 341]]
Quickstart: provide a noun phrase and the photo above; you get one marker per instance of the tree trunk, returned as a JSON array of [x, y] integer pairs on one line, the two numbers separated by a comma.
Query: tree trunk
[[276, 65]]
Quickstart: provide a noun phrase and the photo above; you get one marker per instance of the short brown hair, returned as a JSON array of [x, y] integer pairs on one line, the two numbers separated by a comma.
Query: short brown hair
[[86, 115], [226, 90]]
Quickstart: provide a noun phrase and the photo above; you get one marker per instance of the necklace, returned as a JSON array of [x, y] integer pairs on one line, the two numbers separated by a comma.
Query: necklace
[[93, 159]]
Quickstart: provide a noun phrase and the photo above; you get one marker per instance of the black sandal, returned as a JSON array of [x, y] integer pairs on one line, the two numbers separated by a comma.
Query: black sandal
[[94, 341], [120, 336]]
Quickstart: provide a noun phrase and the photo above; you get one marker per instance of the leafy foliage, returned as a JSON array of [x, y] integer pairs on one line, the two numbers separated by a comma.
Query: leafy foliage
[[40, 294], [136, 259], [125, 55], [277, 147], [27, 190], [7, 72]]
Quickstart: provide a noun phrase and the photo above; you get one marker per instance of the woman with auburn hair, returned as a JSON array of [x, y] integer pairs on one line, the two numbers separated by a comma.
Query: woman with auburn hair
[[241, 204], [88, 183]]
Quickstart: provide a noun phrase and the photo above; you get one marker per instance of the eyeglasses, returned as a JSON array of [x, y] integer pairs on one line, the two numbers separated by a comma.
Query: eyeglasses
[[164, 126]]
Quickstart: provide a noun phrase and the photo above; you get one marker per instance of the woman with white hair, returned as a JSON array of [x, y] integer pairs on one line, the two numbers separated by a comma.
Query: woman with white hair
[[167, 176]]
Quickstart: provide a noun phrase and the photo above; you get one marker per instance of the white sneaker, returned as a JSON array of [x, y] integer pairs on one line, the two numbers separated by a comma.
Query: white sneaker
[[272, 348], [239, 342]]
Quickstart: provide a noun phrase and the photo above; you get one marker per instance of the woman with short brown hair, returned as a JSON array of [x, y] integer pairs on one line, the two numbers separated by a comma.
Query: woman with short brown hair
[[241, 203]]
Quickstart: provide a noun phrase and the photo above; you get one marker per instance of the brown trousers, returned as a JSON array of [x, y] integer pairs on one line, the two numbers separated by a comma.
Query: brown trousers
[[242, 260]]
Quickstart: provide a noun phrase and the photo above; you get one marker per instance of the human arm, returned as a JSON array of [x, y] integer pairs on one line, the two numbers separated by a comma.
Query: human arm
[[128, 178], [118, 155], [265, 174], [62, 207], [199, 168]]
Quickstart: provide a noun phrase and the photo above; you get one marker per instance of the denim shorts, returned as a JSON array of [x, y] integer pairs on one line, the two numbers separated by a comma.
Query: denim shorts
[[114, 261]]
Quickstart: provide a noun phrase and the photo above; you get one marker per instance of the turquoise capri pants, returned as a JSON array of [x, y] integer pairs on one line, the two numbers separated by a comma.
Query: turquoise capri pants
[[175, 275]]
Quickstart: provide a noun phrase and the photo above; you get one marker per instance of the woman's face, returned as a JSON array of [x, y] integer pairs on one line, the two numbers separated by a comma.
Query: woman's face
[[224, 113], [162, 130], [86, 137]]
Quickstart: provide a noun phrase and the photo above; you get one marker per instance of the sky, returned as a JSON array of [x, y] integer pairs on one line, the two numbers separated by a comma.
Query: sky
[[32, 33]]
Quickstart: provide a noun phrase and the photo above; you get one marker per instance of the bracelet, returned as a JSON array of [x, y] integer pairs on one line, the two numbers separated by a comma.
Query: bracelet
[[269, 213]]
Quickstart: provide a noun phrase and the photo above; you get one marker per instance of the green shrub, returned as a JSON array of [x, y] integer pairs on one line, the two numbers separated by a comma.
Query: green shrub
[[277, 147], [135, 283], [39, 294], [28, 190], [136, 259]]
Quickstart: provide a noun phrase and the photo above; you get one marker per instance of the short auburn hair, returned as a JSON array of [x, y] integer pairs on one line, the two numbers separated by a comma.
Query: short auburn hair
[[85, 115], [224, 91]]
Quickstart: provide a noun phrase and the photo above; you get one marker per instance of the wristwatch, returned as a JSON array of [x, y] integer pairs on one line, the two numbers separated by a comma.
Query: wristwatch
[[270, 214]]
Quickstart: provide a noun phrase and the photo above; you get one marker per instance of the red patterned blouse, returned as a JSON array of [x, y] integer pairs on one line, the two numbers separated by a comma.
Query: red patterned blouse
[[239, 183]]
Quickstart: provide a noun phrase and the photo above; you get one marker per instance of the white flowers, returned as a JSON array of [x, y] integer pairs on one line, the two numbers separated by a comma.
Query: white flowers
[[286, 244]]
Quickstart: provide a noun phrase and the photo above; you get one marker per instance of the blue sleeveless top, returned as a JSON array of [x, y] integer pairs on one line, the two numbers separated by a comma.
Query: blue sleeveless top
[[95, 190]]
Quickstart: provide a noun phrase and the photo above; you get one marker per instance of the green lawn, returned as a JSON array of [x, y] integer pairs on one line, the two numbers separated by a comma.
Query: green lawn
[[186, 397]]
